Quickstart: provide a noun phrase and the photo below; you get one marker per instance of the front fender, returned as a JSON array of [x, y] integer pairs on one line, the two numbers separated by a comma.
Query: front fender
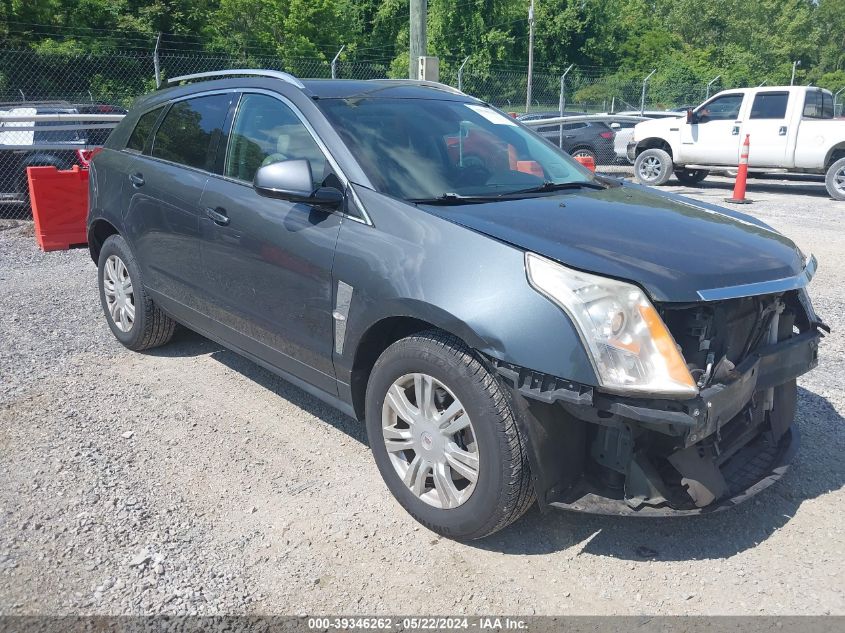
[[413, 264]]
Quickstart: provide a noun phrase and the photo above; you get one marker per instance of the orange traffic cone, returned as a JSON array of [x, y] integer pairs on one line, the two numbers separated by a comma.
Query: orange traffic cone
[[741, 175]]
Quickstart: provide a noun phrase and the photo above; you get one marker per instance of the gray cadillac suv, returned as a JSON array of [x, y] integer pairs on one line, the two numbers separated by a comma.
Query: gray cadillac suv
[[509, 326]]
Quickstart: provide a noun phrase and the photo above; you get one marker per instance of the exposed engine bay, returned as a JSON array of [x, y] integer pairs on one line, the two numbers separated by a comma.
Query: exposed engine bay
[[622, 455]]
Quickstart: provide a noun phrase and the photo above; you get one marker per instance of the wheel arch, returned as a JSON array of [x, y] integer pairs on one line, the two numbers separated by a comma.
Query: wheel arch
[[834, 154], [382, 333], [98, 232], [654, 142]]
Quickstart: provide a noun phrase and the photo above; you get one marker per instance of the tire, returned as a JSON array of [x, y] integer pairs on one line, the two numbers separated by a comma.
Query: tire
[[691, 177], [149, 327], [585, 152], [502, 491], [834, 180], [653, 167]]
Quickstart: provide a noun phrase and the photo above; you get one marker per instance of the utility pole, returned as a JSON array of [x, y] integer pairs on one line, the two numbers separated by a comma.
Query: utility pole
[[155, 62], [530, 55], [795, 64], [418, 44]]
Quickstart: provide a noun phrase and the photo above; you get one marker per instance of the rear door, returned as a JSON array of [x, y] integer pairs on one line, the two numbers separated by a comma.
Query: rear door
[[165, 184], [713, 139], [766, 122], [267, 262]]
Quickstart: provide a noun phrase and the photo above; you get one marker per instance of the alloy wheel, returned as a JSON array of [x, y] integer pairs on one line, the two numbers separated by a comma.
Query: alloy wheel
[[120, 298], [651, 168], [430, 440]]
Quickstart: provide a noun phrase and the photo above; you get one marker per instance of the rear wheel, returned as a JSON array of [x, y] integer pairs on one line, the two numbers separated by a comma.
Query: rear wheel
[[131, 314], [583, 152], [653, 167], [691, 177], [444, 436], [835, 180]]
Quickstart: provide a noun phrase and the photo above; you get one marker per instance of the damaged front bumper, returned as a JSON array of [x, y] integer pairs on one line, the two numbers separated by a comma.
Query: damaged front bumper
[[601, 453]]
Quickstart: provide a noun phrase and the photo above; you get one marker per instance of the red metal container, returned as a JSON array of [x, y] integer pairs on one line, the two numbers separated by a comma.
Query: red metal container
[[59, 206]]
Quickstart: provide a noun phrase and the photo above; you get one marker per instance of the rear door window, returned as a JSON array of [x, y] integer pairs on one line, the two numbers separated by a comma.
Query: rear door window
[[191, 131], [769, 105], [138, 139]]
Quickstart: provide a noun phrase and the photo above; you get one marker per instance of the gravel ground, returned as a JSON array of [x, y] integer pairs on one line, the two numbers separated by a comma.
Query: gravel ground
[[189, 480]]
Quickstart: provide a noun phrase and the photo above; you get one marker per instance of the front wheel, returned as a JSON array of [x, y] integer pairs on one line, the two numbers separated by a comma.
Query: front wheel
[[445, 439], [691, 177], [835, 180], [653, 167]]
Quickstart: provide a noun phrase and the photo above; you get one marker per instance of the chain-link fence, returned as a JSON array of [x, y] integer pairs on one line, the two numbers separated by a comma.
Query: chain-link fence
[[36, 83], [582, 92]]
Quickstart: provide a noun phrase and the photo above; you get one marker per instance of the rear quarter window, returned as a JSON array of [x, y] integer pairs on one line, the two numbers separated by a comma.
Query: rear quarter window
[[138, 139]]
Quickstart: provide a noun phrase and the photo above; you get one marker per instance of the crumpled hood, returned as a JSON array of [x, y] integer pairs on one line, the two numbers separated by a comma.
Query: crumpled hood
[[670, 245]]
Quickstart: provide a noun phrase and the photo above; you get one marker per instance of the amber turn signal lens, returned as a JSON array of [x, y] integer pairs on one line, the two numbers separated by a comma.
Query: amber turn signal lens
[[666, 346]]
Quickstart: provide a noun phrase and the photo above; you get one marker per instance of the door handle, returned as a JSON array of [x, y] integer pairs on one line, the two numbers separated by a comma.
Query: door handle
[[218, 215], [782, 130], [137, 180], [735, 131]]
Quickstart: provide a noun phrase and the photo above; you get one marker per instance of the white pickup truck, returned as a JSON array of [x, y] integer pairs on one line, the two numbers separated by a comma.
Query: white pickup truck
[[792, 130]]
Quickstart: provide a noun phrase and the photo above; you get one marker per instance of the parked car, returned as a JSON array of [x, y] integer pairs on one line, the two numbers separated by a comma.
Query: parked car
[[791, 130], [625, 129], [588, 139], [22, 148], [98, 136], [510, 327]]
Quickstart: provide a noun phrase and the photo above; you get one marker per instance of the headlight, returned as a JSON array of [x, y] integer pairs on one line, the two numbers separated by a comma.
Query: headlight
[[631, 349]]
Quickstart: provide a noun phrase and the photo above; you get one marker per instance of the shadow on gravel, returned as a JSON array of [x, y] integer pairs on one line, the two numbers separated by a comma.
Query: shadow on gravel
[[187, 343], [816, 470]]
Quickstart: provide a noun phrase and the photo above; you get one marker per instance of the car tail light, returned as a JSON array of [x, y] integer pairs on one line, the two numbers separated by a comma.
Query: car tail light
[[85, 156], [606, 134]]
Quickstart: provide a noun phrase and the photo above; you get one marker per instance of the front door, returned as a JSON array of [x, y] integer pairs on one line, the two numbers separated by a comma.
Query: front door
[[713, 137], [268, 262]]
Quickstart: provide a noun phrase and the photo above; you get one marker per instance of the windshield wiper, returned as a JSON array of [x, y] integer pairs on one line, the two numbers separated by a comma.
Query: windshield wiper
[[455, 198], [449, 198], [556, 186]]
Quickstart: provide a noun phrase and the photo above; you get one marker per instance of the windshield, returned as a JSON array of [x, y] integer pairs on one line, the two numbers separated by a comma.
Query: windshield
[[419, 149]]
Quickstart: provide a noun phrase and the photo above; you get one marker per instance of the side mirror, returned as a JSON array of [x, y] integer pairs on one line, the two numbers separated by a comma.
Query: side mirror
[[615, 125], [690, 116], [292, 180]]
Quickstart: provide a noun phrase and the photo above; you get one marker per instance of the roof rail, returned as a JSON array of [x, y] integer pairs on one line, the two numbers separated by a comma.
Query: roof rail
[[430, 84], [239, 72]]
